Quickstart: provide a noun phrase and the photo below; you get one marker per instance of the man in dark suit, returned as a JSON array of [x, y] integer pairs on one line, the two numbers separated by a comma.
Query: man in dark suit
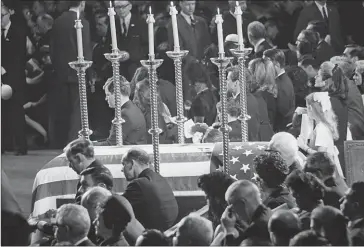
[[13, 60], [134, 127], [286, 96], [257, 34], [148, 192], [193, 31], [65, 93], [320, 11], [132, 37]]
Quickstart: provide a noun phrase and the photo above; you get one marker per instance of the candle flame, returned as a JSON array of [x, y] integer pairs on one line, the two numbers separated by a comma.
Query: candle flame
[[110, 4], [172, 4], [150, 9], [218, 11]]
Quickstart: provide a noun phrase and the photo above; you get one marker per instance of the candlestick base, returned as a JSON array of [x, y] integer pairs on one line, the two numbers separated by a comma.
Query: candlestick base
[[241, 53], [80, 66], [117, 55]]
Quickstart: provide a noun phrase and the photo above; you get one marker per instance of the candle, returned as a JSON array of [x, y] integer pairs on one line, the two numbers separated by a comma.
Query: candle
[[150, 21], [111, 14], [173, 12], [78, 26], [238, 13], [220, 37]]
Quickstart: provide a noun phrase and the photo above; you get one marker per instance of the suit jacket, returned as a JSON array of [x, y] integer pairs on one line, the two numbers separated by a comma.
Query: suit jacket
[[168, 95], [261, 49], [134, 127], [265, 129], [356, 233], [63, 46], [135, 43], [311, 13], [355, 111], [285, 102], [153, 200], [271, 106], [13, 59], [193, 39], [324, 52]]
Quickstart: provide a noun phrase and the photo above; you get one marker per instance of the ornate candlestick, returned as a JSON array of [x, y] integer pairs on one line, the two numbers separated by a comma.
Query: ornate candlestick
[[221, 62], [152, 64], [80, 66], [115, 57], [242, 53], [177, 56]]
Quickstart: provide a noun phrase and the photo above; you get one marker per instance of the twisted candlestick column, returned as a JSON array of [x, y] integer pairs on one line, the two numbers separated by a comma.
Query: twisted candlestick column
[[177, 59], [80, 66], [152, 65], [222, 62]]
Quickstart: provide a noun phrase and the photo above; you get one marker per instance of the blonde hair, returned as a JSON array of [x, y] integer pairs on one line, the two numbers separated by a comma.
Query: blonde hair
[[263, 75], [327, 117]]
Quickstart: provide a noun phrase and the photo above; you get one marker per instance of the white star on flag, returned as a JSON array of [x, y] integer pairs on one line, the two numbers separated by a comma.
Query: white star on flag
[[234, 177], [255, 177], [248, 152], [260, 147], [237, 148], [234, 159], [245, 168]]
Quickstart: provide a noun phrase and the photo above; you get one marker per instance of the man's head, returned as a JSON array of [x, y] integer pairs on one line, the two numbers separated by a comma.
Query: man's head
[[134, 162], [319, 27], [194, 230], [198, 76], [73, 223], [271, 169], [256, 32], [354, 52], [306, 189], [80, 154], [44, 23], [320, 165], [38, 8], [110, 91], [95, 176], [352, 205], [102, 23], [94, 198], [187, 6], [233, 86], [242, 4], [77, 4], [321, 2], [7, 9], [152, 238], [309, 64], [277, 57], [286, 144], [244, 198], [283, 225], [308, 238], [123, 8]]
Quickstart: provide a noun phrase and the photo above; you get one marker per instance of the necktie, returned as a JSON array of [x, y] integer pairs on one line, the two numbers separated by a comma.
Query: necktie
[[193, 22], [125, 31], [325, 14]]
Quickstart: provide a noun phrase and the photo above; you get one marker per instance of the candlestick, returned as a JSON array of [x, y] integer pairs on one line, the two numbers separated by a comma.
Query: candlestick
[[80, 66], [79, 26], [242, 54], [239, 24], [220, 36], [112, 14], [150, 21], [173, 12], [152, 65], [221, 62]]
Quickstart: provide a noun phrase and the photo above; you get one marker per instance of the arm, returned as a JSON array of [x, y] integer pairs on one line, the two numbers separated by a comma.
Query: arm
[[134, 195]]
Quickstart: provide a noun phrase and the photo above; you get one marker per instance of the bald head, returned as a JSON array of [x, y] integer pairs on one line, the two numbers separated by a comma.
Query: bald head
[[283, 225], [243, 190]]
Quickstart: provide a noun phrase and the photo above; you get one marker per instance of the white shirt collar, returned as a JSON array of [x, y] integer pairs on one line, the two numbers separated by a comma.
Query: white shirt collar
[[187, 17], [7, 27], [81, 240], [127, 21], [74, 10], [319, 6], [257, 44], [281, 73]]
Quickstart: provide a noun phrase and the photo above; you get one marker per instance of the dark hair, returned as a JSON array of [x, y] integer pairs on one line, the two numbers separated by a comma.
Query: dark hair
[[357, 51], [307, 60], [285, 226], [74, 3], [320, 165], [233, 107], [154, 238], [214, 185], [356, 194], [276, 55], [290, 57], [80, 146], [308, 238], [100, 174], [319, 27], [196, 73], [138, 155], [339, 87], [124, 87], [271, 168], [311, 37], [306, 48], [305, 183]]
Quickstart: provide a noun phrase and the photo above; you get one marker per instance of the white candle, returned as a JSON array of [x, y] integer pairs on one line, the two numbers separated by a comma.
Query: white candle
[[220, 37], [173, 12], [238, 13], [111, 14], [150, 21], [78, 27]]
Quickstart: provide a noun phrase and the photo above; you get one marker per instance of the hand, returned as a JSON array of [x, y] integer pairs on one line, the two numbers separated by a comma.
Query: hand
[[29, 105], [328, 39], [228, 221]]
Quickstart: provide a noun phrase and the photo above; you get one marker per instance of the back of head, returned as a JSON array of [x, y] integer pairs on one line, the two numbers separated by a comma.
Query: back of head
[[76, 218], [80, 146], [243, 190], [194, 230], [286, 145], [196, 73], [256, 31], [308, 238], [271, 168], [310, 36], [124, 86], [94, 198], [307, 60], [355, 51], [319, 27], [152, 238], [277, 56], [100, 175], [284, 225], [138, 155], [320, 164], [263, 76]]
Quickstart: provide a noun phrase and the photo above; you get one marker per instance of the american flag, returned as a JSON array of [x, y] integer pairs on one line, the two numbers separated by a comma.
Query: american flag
[[241, 156]]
